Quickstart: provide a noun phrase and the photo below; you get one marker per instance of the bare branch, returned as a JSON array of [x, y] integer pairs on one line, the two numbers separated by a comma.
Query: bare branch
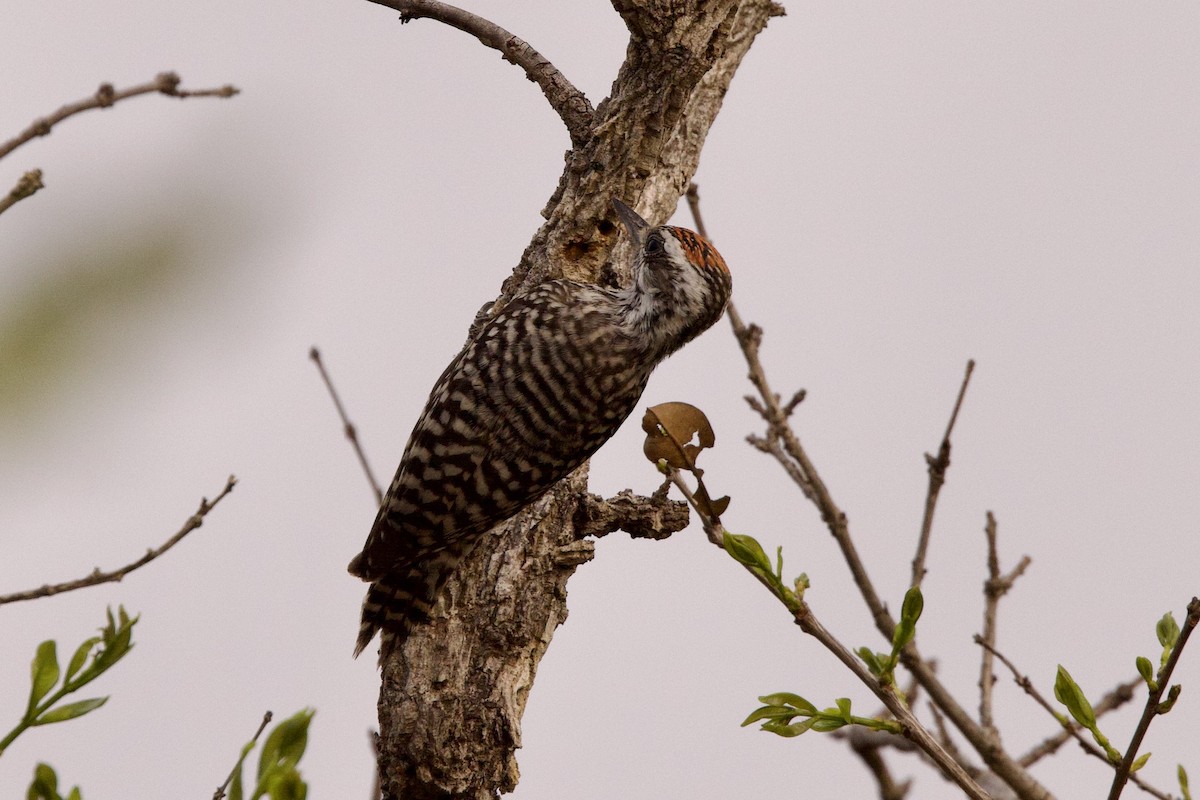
[[640, 517], [1152, 708], [995, 587], [937, 477], [568, 102], [27, 186], [97, 577], [347, 426], [164, 83], [220, 792]]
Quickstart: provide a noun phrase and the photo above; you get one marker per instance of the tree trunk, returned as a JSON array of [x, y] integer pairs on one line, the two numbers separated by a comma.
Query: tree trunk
[[453, 693]]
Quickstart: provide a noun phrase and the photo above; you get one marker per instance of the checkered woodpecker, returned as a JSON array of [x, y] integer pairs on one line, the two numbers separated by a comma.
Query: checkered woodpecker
[[538, 390]]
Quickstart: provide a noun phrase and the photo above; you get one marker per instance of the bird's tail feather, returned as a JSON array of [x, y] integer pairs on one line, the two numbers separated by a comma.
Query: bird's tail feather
[[405, 597]]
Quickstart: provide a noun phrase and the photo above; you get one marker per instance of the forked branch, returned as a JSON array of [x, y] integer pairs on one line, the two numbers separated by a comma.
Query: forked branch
[[995, 587], [164, 83], [97, 577], [570, 103]]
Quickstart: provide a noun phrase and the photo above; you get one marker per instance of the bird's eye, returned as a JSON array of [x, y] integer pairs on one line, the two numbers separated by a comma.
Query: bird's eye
[[654, 244]]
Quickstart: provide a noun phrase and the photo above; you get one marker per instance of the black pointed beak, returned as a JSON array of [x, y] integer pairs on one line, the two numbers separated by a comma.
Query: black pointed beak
[[636, 226]]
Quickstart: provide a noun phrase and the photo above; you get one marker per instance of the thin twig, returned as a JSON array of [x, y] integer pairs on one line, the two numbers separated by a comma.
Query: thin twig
[[1069, 727], [347, 426], [27, 186], [995, 587], [1152, 708], [220, 792], [97, 577], [937, 478], [569, 103], [713, 530], [164, 83]]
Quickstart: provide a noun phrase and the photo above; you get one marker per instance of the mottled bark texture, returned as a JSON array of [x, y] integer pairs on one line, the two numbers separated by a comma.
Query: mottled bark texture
[[454, 692]]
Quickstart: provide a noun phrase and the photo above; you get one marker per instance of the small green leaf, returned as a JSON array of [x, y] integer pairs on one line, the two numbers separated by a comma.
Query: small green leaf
[[914, 604], [70, 711], [74, 794], [826, 724], [788, 699], [235, 786], [285, 744], [44, 785], [1183, 782], [795, 729], [903, 634], [1146, 670], [1071, 696], [287, 785], [1167, 630], [871, 659], [1139, 762], [80, 658], [1172, 695], [745, 549], [771, 713], [910, 612], [843, 707], [45, 672]]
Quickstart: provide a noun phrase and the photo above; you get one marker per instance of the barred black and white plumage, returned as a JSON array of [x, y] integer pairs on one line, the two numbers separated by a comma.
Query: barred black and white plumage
[[536, 392]]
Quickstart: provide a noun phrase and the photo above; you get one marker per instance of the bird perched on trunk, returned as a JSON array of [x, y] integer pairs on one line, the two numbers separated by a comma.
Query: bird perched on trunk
[[536, 392]]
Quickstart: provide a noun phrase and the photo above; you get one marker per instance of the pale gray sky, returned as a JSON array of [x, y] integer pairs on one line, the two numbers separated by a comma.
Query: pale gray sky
[[895, 188]]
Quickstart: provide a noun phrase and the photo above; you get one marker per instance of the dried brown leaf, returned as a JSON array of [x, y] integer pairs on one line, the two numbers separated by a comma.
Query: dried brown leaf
[[671, 429]]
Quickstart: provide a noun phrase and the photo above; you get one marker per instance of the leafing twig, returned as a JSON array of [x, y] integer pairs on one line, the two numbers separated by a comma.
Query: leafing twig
[[1070, 728], [1115, 698], [1152, 708], [220, 792], [97, 577]]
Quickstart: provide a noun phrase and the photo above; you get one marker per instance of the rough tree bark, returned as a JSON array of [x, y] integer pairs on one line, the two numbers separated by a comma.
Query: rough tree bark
[[452, 696]]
